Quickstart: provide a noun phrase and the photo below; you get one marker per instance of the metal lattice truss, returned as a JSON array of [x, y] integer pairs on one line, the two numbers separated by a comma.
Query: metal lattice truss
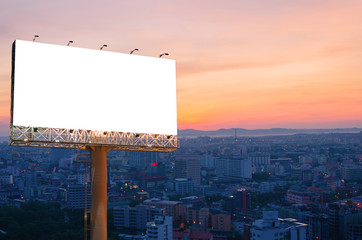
[[72, 138]]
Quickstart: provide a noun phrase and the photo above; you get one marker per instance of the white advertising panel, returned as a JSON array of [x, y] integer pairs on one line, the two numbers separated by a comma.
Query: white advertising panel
[[74, 88]]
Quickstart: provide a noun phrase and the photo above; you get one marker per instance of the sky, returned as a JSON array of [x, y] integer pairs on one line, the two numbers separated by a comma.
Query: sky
[[246, 64]]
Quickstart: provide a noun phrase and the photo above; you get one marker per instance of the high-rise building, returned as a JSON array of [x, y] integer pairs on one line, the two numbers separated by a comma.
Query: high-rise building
[[351, 225], [317, 226], [143, 159], [243, 150], [135, 217], [351, 172], [273, 228], [335, 210], [207, 160], [233, 167], [160, 228], [31, 179], [81, 177], [259, 158], [76, 196], [354, 231], [184, 186], [188, 166]]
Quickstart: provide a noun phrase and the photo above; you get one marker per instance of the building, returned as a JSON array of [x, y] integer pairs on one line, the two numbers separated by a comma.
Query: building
[[302, 197], [122, 236], [220, 221], [81, 177], [207, 160], [160, 228], [6, 179], [234, 167], [184, 186], [240, 200], [31, 179], [351, 225], [152, 182], [205, 219], [259, 158], [354, 232], [143, 159], [270, 227], [199, 217], [135, 217], [188, 166], [266, 187], [66, 162], [317, 226], [351, 173], [335, 211], [75, 196], [172, 208], [189, 234], [344, 222]]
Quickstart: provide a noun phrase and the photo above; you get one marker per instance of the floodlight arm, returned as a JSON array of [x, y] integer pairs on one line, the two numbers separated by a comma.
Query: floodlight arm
[[35, 36], [103, 46], [69, 43], [136, 49], [163, 54]]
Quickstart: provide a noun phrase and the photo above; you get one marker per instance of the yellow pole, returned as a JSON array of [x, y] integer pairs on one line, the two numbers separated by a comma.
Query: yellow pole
[[99, 192]]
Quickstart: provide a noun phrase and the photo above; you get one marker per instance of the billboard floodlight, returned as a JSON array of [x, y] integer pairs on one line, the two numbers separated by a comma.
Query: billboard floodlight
[[35, 36], [163, 54], [136, 49], [103, 46], [69, 43]]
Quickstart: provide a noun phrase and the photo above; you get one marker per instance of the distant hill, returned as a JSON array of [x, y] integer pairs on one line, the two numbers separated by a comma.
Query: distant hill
[[241, 132]]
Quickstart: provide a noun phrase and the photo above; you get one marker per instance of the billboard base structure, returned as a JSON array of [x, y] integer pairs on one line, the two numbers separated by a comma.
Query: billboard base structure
[[42, 117], [23, 136], [98, 192], [98, 143]]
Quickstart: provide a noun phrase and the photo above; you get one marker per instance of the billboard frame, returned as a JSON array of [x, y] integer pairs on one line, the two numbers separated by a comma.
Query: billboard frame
[[32, 136], [80, 139], [98, 143]]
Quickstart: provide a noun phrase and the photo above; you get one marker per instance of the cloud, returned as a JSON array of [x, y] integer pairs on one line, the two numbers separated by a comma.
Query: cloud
[[235, 60]]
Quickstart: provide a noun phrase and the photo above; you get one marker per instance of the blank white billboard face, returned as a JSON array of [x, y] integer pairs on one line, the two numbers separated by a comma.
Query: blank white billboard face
[[66, 87]]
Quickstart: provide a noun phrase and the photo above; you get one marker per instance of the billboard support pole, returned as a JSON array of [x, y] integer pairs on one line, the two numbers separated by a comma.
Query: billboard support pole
[[99, 192]]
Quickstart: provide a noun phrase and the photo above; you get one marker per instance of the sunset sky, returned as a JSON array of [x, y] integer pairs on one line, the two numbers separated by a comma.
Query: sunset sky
[[248, 64]]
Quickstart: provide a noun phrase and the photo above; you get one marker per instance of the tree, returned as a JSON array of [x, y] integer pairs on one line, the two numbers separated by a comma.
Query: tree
[[213, 198], [261, 177]]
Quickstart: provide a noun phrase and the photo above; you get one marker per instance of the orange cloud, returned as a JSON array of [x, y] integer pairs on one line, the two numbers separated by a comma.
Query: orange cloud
[[239, 64]]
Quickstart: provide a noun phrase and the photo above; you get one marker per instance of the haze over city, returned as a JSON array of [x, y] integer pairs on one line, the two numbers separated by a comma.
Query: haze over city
[[246, 64], [265, 143]]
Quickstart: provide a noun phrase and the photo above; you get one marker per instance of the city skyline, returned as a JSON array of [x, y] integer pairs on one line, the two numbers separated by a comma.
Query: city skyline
[[239, 64], [308, 185]]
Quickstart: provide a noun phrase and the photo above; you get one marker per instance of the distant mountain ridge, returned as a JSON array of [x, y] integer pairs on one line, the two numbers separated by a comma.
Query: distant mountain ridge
[[241, 132]]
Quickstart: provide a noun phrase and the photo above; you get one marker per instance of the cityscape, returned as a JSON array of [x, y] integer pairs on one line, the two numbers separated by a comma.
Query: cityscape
[[178, 120], [301, 186]]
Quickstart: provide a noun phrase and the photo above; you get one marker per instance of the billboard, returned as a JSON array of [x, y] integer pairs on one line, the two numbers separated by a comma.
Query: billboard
[[84, 90]]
